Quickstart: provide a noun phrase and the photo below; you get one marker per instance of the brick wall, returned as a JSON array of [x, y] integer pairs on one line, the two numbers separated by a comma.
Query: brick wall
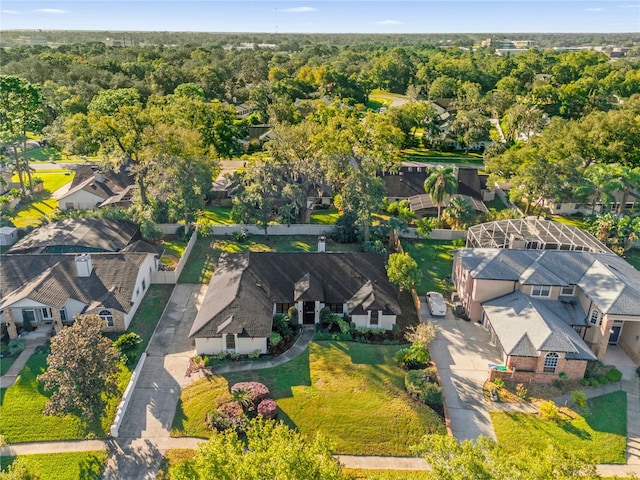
[[573, 368]]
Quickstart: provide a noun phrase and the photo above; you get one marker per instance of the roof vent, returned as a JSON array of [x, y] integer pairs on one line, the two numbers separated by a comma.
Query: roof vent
[[99, 177]]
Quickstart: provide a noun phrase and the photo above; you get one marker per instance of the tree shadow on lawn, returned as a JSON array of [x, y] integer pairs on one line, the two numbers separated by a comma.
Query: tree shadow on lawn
[[608, 413]]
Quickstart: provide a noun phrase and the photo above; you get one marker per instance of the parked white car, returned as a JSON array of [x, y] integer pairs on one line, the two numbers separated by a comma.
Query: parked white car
[[437, 306]]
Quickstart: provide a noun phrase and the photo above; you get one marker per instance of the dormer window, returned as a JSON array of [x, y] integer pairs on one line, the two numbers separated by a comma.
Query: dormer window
[[541, 291], [568, 290]]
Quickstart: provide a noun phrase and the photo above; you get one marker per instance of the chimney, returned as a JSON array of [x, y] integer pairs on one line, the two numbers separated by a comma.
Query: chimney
[[322, 243], [83, 265], [99, 177], [516, 241]]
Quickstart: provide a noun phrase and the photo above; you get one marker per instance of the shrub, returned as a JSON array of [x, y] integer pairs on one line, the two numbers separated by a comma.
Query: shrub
[[127, 343], [549, 411], [594, 382], [16, 346], [180, 231], [233, 356], [603, 379], [325, 316], [257, 390], [232, 409], [579, 398], [521, 391], [244, 397], [563, 375], [292, 313], [255, 354], [499, 383], [585, 382], [275, 339], [219, 420], [345, 230], [414, 357], [281, 325], [423, 333], [241, 235], [268, 408], [614, 375], [419, 385]]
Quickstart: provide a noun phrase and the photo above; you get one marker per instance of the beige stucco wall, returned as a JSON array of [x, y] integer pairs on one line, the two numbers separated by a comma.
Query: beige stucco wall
[[209, 346], [630, 340], [483, 290], [364, 321], [244, 346]]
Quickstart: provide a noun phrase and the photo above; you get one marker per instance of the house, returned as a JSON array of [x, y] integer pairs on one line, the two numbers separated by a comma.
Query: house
[[249, 288], [551, 310], [408, 184], [243, 110], [49, 289], [79, 235], [631, 202], [92, 188]]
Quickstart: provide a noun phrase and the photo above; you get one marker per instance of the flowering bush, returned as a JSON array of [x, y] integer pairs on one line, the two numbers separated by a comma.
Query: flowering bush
[[258, 390], [267, 408], [233, 409]]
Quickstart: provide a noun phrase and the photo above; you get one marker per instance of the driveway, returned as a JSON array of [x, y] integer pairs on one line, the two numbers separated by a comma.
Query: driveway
[[148, 419], [462, 351]]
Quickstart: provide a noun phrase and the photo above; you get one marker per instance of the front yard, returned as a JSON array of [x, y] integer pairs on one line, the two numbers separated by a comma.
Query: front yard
[[351, 392], [602, 432], [55, 466], [42, 204], [207, 250]]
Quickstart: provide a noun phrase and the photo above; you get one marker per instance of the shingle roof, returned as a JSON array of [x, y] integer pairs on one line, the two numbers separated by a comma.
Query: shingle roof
[[52, 279], [245, 286], [75, 235], [112, 182], [525, 326], [607, 279]]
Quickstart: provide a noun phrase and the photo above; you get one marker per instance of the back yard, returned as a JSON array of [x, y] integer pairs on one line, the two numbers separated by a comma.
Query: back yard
[[435, 260], [353, 393]]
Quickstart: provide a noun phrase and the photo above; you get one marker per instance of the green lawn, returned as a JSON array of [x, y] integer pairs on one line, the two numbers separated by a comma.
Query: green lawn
[[496, 204], [571, 221], [360, 474], [416, 154], [56, 466], [633, 257], [175, 247], [324, 217], [43, 205], [205, 253], [435, 259], [351, 392], [218, 215], [146, 318], [603, 433]]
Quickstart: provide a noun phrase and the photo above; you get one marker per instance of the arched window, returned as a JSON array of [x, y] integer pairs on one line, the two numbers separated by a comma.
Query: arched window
[[107, 316], [550, 363]]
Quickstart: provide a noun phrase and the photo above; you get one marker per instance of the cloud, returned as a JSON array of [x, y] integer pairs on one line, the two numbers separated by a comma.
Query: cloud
[[593, 9], [298, 10], [387, 22], [9, 12], [54, 11]]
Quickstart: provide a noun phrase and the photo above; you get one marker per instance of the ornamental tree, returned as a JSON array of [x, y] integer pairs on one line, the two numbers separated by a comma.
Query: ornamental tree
[[81, 370]]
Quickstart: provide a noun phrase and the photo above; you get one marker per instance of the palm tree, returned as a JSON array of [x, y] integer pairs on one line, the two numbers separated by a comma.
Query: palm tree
[[629, 179], [458, 213], [603, 180], [442, 181]]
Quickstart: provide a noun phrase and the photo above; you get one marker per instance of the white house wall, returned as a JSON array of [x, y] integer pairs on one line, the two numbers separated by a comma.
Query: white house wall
[[81, 200], [244, 346], [144, 273], [384, 321], [209, 346]]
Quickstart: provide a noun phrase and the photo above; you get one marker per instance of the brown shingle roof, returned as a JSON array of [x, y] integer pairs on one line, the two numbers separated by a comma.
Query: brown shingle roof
[[245, 286], [52, 279]]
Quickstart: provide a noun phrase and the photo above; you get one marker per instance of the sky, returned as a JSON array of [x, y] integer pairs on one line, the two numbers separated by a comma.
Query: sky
[[326, 16]]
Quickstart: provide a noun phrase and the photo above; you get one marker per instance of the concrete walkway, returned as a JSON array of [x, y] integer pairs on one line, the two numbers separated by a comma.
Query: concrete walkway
[[9, 378]]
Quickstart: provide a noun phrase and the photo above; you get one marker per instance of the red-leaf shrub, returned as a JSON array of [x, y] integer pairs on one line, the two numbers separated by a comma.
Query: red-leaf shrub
[[258, 390], [233, 409], [267, 408]]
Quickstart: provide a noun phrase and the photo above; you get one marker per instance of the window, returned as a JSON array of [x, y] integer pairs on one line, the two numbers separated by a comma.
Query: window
[[69, 205], [550, 363], [335, 307], [595, 316], [46, 313], [568, 290], [231, 341], [284, 307], [137, 292], [374, 317], [63, 314], [144, 285], [107, 316], [541, 291]]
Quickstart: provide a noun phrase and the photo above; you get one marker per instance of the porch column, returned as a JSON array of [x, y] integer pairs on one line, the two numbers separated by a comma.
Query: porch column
[[57, 320]]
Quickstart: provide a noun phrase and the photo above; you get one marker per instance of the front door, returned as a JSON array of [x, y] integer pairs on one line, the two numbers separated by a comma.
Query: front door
[[309, 317], [615, 333], [29, 319]]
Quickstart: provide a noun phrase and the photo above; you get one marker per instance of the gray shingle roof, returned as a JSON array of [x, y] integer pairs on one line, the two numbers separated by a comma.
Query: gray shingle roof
[[75, 235], [52, 279], [245, 286], [525, 326], [607, 279]]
